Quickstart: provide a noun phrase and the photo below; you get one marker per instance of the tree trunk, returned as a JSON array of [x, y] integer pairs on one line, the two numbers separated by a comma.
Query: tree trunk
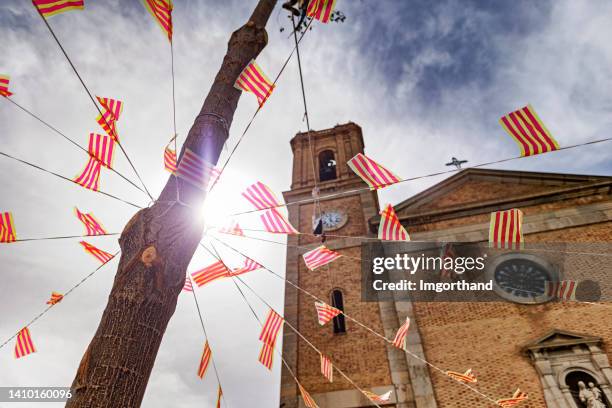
[[157, 244]]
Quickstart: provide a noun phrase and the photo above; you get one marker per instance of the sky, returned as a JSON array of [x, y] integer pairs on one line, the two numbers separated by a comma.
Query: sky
[[425, 80]]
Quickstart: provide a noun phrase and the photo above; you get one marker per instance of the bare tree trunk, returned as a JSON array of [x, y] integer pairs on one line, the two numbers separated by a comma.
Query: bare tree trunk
[[156, 247]]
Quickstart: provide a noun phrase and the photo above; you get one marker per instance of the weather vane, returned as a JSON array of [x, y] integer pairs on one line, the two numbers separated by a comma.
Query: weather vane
[[457, 163]]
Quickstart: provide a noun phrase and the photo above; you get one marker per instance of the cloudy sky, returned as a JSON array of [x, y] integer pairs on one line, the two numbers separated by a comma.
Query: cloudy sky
[[425, 80]]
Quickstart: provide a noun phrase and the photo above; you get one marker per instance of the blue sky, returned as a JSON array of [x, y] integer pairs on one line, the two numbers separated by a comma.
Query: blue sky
[[425, 80]]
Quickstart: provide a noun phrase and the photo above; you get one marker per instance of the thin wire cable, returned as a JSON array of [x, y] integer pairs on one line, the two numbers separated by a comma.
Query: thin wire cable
[[65, 237], [41, 314], [358, 190], [92, 99], [212, 355], [250, 122], [71, 141], [366, 327], [67, 179]]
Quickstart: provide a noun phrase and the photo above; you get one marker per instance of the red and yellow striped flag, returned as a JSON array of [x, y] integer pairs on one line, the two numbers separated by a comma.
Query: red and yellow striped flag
[[205, 360], [249, 266], [309, 402], [55, 298], [92, 225], [219, 396], [319, 256], [276, 223], [90, 176], [564, 290], [516, 399], [327, 369], [102, 148], [261, 196], [233, 229], [48, 8], [113, 106], [271, 328], [170, 159], [97, 253], [325, 312], [266, 355], [211, 273], [188, 286], [197, 171], [467, 377], [528, 131], [161, 10], [321, 9], [252, 79], [400, 337], [375, 175], [7, 228], [378, 398], [107, 123], [390, 227], [505, 230], [24, 345], [4, 86]]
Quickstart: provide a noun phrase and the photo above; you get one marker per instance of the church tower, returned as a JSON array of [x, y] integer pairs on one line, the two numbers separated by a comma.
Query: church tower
[[319, 159]]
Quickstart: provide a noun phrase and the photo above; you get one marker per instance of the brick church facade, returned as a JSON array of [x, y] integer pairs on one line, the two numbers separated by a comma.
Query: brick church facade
[[543, 348]]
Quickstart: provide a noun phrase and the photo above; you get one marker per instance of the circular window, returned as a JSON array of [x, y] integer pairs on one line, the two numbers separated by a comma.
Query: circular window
[[521, 278]]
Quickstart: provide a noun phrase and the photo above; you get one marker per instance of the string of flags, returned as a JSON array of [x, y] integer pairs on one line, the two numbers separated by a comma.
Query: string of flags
[[7, 228], [161, 10], [97, 253], [390, 227], [319, 256], [55, 298], [48, 8], [505, 229], [268, 336], [252, 79], [204, 361], [4, 86]]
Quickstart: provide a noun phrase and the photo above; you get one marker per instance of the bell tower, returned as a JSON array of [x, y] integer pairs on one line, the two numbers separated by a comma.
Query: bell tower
[[319, 162]]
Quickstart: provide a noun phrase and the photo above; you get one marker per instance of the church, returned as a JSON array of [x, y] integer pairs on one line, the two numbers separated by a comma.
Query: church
[[557, 352]]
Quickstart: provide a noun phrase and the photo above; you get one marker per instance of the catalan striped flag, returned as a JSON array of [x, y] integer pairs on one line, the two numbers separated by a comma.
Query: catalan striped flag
[[97, 253], [219, 396], [252, 79], [505, 230], [92, 225], [161, 10], [319, 256], [378, 398], [90, 175], [4, 86], [271, 328], [528, 131], [266, 355], [249, 266], [321, 9], [309, 402], [7, 228], [114, 107], [516, 399], [325, 312], [48, 8], [375, 175], [109, 125], [466, 377], [170, 159], [261, 196], [564, 290], [204, 361], [327, 369], [390, 227], [276, 223], [102, 148], [233, 229], [55, 298], [196, 171], [188, 286], [24, 345], [211, 273], [400, 337]]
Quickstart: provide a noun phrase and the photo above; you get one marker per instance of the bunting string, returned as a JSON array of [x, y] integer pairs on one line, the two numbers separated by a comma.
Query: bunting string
[[66, 237]]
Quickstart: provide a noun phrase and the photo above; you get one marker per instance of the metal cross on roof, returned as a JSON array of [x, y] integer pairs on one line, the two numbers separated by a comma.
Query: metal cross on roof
[[456, 162]]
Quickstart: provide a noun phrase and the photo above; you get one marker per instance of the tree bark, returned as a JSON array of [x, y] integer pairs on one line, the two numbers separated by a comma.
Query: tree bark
[[157, 244]]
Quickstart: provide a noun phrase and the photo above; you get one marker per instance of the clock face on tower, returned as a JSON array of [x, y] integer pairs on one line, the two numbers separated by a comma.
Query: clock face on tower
[[333, 219]]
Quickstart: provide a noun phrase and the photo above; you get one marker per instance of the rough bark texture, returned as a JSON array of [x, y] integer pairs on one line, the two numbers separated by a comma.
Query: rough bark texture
[[156, 247]]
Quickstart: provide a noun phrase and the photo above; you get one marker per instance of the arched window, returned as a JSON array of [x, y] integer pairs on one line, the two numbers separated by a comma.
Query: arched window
[[338, 303], [578, 381], [327, 166]]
